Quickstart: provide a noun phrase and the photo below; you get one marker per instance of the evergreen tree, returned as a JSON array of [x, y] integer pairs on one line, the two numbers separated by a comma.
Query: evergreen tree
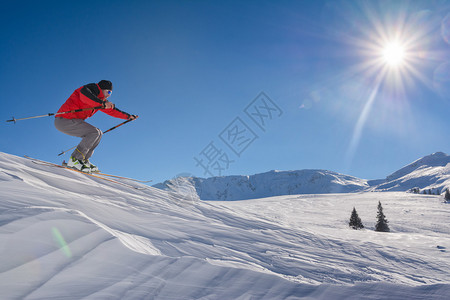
[[447, 195], [355, 221], [382, 222]]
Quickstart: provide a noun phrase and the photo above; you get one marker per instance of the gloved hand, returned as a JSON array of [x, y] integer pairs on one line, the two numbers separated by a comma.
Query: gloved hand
[[109, 105], [133, 117]]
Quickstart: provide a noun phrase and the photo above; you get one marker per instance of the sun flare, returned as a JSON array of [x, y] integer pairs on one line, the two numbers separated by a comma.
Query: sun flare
[[393, 45], [393, 54]]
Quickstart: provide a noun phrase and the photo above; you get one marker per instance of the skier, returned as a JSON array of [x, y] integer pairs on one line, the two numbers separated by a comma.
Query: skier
[[89, 95]]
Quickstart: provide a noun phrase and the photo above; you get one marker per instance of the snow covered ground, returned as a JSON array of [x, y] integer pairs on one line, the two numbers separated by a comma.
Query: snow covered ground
[[65, 235]]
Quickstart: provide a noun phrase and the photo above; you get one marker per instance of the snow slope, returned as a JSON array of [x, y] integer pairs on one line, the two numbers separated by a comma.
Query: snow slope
[[65, 235]]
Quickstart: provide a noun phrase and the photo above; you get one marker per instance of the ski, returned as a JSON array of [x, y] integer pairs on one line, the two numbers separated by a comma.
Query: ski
[[46, 163], [64, 164], [121, 177]]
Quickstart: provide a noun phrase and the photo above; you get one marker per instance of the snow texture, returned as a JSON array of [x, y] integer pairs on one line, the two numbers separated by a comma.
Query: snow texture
[[65, 235]]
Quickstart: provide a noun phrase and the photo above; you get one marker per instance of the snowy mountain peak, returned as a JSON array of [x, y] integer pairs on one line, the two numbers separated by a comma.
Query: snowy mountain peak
[[437, 159], [431, 172], [272, 183]]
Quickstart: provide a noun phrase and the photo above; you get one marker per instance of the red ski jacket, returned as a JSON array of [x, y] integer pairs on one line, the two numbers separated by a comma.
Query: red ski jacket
[[89, 95]]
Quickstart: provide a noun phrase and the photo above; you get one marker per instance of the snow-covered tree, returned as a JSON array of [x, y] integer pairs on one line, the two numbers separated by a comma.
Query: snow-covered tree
[[415, 190], [447, 195], [355, 221], [382, 222]]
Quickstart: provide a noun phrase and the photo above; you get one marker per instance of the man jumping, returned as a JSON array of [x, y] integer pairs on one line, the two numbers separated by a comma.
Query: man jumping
[[87, 96]]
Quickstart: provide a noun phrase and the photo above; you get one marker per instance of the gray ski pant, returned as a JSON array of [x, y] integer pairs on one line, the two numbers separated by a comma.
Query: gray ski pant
[[90, 135]]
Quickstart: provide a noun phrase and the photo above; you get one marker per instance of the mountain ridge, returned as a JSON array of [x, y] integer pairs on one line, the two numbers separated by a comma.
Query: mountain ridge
[[431, 172]]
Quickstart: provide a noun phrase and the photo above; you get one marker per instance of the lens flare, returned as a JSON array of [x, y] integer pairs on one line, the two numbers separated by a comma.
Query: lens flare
[[61, 242], [445, 28]]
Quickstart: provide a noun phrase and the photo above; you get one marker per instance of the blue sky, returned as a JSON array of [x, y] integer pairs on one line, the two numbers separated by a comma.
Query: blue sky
[[203, 75]]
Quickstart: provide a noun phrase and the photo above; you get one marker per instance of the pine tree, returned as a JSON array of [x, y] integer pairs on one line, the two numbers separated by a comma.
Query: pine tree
[[447, 195], [355, 221], [382, 222]]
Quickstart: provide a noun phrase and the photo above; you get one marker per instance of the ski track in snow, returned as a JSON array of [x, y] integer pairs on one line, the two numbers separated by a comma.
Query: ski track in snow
[[68, 235]]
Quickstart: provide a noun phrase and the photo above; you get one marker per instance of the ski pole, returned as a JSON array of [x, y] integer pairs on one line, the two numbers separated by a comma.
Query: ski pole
[[55, 114], [112, 128], [123, 123]]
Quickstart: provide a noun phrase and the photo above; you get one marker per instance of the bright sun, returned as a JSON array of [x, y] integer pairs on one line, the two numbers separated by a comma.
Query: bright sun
[[394, 54]]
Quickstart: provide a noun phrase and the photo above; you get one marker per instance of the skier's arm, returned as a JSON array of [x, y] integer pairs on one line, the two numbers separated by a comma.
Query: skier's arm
[[117, 113], [90, 91], [90, 95]]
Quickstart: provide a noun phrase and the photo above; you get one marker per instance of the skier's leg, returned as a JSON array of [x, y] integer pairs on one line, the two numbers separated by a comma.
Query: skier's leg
[[90, 135], [97, 138]]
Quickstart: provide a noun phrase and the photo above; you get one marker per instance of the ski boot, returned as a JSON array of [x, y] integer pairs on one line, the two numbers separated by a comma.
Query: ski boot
[[79, 165]]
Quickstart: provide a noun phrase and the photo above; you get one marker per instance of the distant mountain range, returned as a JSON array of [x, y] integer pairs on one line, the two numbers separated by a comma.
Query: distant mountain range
[[428, 174]]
